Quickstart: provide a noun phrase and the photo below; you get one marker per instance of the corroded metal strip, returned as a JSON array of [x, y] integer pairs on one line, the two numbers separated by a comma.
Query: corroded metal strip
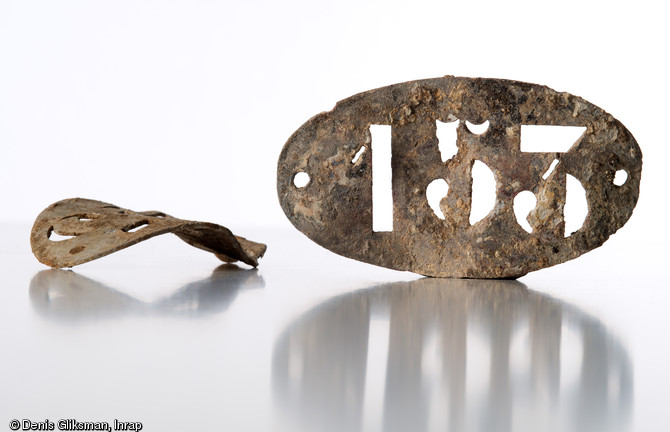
[[335, 208], [99, 228]]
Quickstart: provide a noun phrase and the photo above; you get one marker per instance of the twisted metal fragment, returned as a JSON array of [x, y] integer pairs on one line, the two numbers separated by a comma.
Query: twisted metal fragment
[[97, 229]]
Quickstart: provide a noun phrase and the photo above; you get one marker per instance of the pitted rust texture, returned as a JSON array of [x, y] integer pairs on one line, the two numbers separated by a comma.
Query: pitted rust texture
[[335, 208], [99, 229]]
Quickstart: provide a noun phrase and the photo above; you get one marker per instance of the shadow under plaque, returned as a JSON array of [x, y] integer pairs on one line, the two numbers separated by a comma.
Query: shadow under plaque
[[436, 354], [64, 295]]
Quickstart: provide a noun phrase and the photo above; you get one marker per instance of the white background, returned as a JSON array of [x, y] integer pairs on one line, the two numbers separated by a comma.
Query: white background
[[184, 106]]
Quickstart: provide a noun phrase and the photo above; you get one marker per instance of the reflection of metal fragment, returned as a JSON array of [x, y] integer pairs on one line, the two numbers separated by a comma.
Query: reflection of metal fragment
[[335, 208], [67, 296], [98, 229]]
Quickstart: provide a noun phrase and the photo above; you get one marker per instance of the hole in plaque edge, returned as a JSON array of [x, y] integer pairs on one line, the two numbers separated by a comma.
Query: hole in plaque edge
[[620, 177], [301, 179]]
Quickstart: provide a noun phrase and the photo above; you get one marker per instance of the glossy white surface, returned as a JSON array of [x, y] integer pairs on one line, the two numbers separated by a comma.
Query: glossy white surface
[[160, 334]]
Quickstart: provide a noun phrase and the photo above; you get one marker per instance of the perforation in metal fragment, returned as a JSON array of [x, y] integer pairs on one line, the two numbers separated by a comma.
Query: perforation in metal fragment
[[88, 229]]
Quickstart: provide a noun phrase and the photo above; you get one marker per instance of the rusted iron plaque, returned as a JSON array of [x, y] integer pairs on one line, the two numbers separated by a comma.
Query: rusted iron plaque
[[333, 150], [97, 229]]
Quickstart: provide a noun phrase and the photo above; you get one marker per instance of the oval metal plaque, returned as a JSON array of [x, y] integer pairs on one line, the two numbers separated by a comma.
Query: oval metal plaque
[[325, 177]]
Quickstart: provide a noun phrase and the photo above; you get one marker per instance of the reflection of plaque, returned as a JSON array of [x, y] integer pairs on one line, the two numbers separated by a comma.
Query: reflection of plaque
[[454, 355]]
